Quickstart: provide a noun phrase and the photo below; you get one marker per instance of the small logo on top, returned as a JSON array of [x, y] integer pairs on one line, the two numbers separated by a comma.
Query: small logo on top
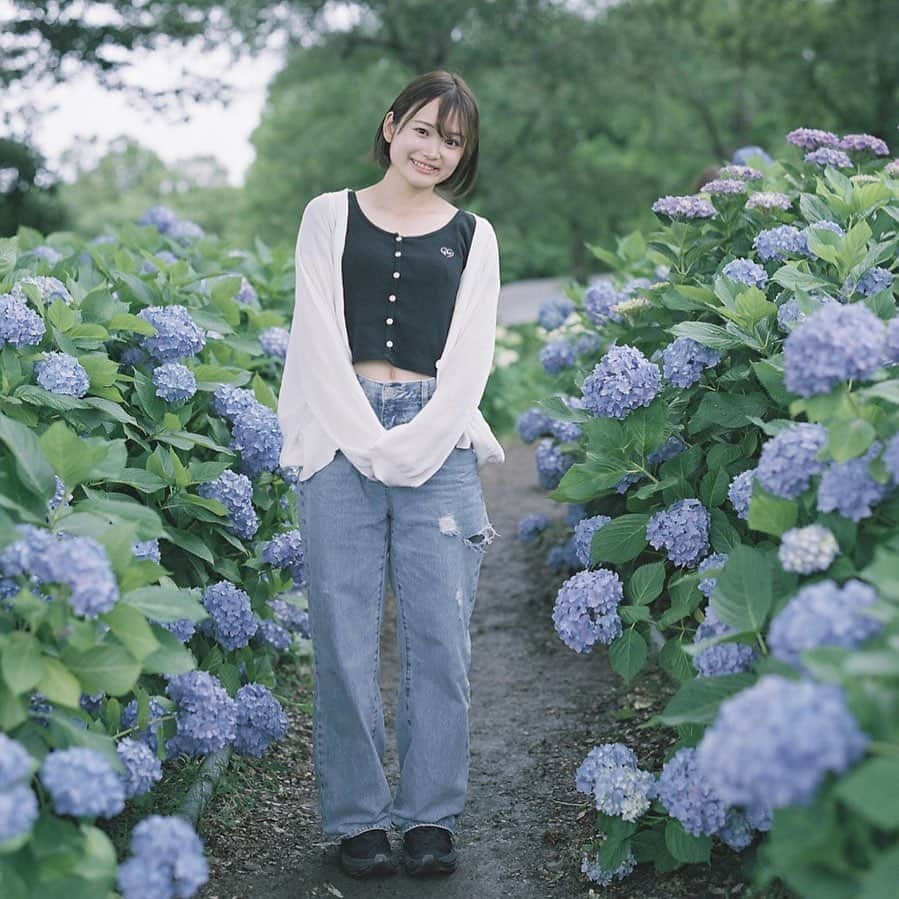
[[447, 251]]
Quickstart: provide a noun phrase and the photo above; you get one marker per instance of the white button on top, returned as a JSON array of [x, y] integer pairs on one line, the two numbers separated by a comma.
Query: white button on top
[[397, 253], [392, 298], [396, 274], [389, 343], [399, 237], [389, 321]]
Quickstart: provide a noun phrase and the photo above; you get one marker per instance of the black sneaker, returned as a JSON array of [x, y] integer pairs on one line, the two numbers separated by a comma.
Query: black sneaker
[[366, 854], [429, 850]]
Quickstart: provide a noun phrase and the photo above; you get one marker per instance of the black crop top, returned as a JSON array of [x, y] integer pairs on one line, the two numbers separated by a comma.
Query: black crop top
[[400, 292]]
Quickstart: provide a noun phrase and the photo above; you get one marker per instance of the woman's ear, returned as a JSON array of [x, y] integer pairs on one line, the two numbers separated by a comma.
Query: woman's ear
[[388, 126]]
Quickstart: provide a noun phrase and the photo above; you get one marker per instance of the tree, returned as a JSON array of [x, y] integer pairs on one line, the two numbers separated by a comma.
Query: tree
[[28, 192]]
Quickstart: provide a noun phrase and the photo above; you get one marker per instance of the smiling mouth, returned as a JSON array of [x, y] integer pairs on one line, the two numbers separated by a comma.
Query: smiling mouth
[[424, 168]]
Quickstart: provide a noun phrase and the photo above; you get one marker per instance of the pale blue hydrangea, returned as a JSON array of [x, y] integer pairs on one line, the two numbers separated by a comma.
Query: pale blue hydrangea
[[160, 217], [586, 609], [848, 488], [825, 156], [766, 200], [531, 526], [233, 622], [274, 342], [740, 826], [147, 549], [185, 230], [745, 155], [874, 281], [772, 744], [19, 325], [623, 380], [531, 424], [583, 536], [684, 359], [150, 734], [60, 495], [740, 172], [246, 294], [16, 764], [260, 720], [891, 457], [83, 783], [556, 356], [553, 312], [178, 335], [563, 557], [142, 767], [150, 267], [605, 755], [595, 872], [599, 302], [175, 383], [574, 513], [823, 614], [812, 138], [618, 786], [684, 208], [182, 628], [49, 288], [837, 343], [892, 168], [272, 634], [551, 464], [91, 702], [295, 619], [62, 374], [864, 143], [682, 530], [722, 658], [284, 549], [787, 462], [892, 342], [780, 243], [235, 492], [256, 435], [724, 187], [44, 253], [789, 314], [230, 402], [166, 861], [745, 271], [688, 797], [133, 356], [587, 343], [807, 550], [18, 812], [206, 718], [707, 584]]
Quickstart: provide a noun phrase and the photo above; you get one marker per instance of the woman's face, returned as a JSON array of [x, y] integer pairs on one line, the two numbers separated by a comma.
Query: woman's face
[[417, 150]]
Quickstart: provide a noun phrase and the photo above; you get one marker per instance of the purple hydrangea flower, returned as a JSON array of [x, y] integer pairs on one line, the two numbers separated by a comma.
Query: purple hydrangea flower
[[618, 786], [585, 610], [551, 464], [688, 797], [745, 271], [178, 335], [206, 718], [175, 383], [553, 312], [682, 530], [807, 550], [257, 437], [284, 549], [531, 424], [292, 617], [724, 186], [83, 783], [530, 526], [741, 172], [722, 658], [707, 584], [864, 143], [823, 614], [246, 294], [623, 380], [583, 536], [19, 325], [142, 767], [274, 342], [260, 720], [235, 492], [599, 302], [684, 359], [273, 634], [787, 462], [62, 374], [780, 243], [829, 156], [233, 621], [848, 488], [49, 288], [892, 168], [812, 138], [767, 200], [556, 356], [684, 208]]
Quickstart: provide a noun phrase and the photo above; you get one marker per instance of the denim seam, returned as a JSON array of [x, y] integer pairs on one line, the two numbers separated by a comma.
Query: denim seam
[[376, 692]]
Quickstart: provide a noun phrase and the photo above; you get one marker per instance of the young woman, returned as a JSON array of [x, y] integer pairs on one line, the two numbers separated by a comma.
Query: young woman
[[390, 349]]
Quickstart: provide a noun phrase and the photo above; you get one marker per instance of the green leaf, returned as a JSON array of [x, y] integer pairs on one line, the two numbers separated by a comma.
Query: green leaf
[[109, 668], [59, 685], [771, 514], [880, 880], [12, 710], [165, 603], [727, 411], [172, 657], [71, 457], [871, 791], [697, 700], [22, 661], [621, 539], [644, 429], [724, 536], [131, 627], [675, 661], [713, 336], [849, 439], [683, 846], [32, 467], [713, 487], [743, 595], [586, 480], [646, 583], [627, 653], [118, 507], [189, 542]]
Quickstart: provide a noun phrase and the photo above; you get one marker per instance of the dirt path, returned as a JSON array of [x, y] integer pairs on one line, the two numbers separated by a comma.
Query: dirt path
[[537, 709]]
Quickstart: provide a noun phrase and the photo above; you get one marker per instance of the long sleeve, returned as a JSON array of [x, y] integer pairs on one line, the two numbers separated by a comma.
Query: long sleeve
[[317, 355], [410, 453]]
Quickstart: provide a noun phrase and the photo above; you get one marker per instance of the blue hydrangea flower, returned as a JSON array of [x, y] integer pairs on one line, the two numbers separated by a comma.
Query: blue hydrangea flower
[[587, 343], [892, 342], [583, 536], [178, 335], [823, 614], [684, 359], [740, 172], [207, 716], [182, 628], [91, 702], [274, 342], [553, 312], [599, 302], [574, 513], [891, 457], [16, 764], [175, 383], [780, 243], [807, 550], [684, 208], [789, 314], [260, 720], [166, 861], [83, 783], [531, 424], [147, 549], [595, 872], [745, 155], [682, 530], [246, 294], [284, 549], [556, 356], [133, 356], [623, 380], [295, 619], [551, 464], [142, 767], [672, 447], [563, 557], [231, 402], [185, 230], [618, 786], [150, 267], [740, 827], [531, 526], [18, 812], [772, 744], [848, 488], [233, 622], [874, 281], [586, 609], [864, 143], [257, 437], [63, 374], [19, 325], [272, 634], [605, 755], [766, 200], [745, 271], [722, 658], [724, 187], [688, 797], [837, 343], [160, 217], [44, 253], [707, 584], [235, 492], [825, 156], [787, 462], [150, 734], [50, 289], [812, 138], [892, 168], [565, 431]]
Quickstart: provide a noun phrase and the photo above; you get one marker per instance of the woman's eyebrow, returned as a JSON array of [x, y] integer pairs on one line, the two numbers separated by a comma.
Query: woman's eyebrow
[[423, 122]]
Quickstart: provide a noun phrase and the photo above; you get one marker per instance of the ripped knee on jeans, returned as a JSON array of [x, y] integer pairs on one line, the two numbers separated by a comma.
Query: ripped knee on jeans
[[479, 541]]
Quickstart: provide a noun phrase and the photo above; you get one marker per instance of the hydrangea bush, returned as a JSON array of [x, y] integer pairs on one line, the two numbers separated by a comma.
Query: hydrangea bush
[[150, 561], [759, 553]]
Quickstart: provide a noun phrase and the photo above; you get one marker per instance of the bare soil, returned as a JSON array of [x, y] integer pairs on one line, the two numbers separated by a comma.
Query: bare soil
[[537, 710]]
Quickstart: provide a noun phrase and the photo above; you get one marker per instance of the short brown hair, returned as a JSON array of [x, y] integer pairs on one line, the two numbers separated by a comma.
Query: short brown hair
[[456, 98]]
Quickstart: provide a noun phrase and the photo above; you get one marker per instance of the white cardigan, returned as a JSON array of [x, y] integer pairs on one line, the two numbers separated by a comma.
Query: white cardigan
[[321, 405]]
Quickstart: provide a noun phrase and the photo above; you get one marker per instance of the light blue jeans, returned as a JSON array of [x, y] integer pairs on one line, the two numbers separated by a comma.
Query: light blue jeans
[[430, 539]]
